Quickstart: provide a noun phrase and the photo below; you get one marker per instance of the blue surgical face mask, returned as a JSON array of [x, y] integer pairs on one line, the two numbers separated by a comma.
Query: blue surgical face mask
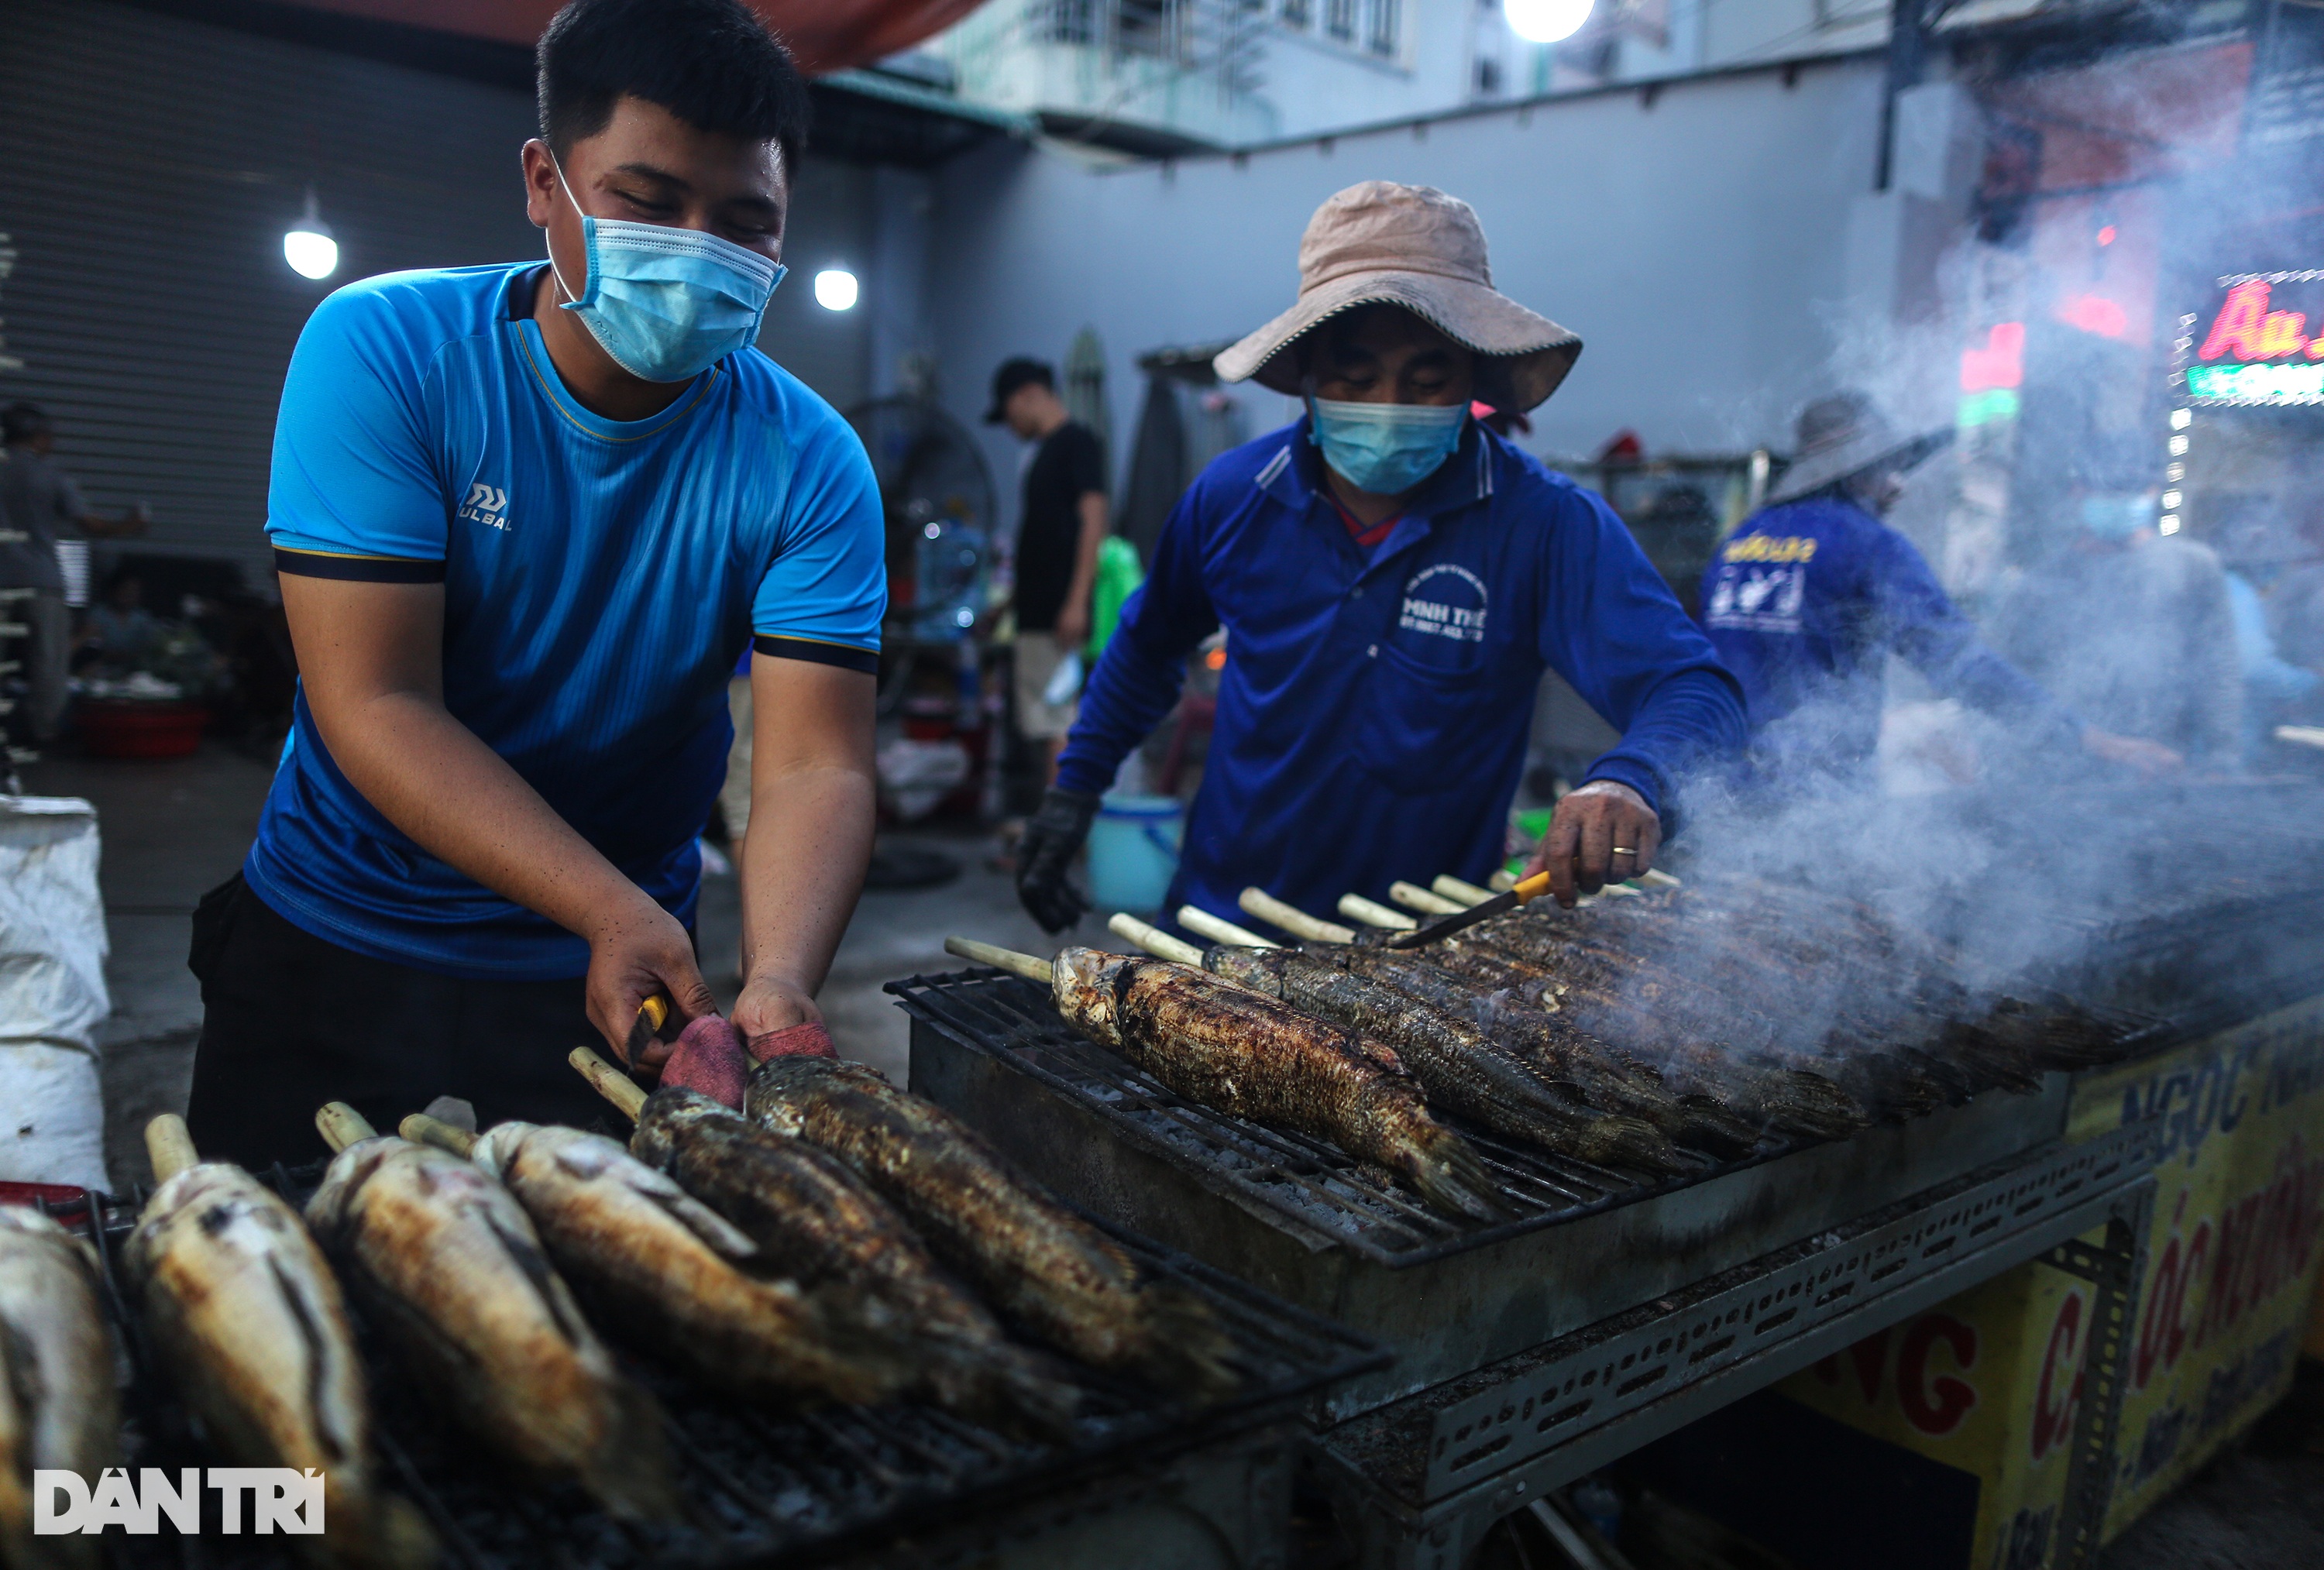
[[1385, 448], [2117, 517], [667, 304]]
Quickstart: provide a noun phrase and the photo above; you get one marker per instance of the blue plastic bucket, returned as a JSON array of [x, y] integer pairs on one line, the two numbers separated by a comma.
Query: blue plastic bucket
[[1133, 852]]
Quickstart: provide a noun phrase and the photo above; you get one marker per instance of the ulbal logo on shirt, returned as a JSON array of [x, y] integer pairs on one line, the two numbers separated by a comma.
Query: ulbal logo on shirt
[[487, 505]]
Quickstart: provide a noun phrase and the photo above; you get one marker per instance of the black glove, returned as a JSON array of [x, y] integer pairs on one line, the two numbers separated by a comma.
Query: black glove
[[1052, 835]]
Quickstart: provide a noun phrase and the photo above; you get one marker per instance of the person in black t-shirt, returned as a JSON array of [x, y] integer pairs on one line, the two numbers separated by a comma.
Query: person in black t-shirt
[[1057, 543]]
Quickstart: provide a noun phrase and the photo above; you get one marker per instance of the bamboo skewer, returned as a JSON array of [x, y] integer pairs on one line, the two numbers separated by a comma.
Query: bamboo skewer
[[1413, 897], [1001, 959], [1372, 913], [1293, 920], [170, 1147], [1154, 939], [342, 1125], [1462, 895], [628, 1096], [1219, 930], [421, 1129]]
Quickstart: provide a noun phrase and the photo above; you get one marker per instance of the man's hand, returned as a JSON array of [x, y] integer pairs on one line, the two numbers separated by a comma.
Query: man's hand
[[637, 952], [2149, 758], [1602, 833], [772, 1003], [1044, 859], [1073, 629]]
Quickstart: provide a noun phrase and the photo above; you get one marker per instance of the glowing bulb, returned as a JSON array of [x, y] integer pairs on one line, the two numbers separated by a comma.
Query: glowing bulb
[[2174, 473], [931, 530], [2171, 498], [963, 617], [309, 247], [310, 254], [2170, 524], [2106, 236], [1546, 20], [836, 290], [2178, 446], [2181, 418]]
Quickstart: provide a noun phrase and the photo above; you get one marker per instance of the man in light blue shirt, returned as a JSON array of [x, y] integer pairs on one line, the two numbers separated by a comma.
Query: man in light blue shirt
[[527, 518]]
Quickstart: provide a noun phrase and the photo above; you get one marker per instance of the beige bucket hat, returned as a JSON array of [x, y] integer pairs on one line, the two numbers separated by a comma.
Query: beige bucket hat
[[1384, 243], [1842, 436]]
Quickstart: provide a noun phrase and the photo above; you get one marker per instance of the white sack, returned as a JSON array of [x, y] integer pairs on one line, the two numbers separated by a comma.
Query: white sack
[[52, 950]]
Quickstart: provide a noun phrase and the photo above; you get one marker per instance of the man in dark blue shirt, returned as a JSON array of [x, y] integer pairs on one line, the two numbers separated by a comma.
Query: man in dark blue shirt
[[1393, 578], [1807, 599]]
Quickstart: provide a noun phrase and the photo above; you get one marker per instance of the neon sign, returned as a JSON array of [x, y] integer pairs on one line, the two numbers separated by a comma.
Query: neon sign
[[2255, 352], [1991, 375]]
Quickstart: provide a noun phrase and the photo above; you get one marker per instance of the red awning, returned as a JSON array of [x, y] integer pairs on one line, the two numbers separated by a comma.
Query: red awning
[[825, 35]]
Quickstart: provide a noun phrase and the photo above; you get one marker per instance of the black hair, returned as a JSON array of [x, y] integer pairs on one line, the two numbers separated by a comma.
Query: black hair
[[1020, 371], [710, 62], [21, 422]]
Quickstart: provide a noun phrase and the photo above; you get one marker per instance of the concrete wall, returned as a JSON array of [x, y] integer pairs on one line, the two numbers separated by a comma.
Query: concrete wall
[[1699, 244]]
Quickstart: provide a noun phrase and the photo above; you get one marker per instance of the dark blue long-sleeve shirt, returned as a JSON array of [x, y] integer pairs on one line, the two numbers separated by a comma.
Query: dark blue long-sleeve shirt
[[1808, 599], [1373, 711]]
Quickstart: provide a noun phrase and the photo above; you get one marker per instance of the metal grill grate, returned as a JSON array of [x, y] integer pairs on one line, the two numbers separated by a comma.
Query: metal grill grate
[[1305, 1181], [759, 1487]]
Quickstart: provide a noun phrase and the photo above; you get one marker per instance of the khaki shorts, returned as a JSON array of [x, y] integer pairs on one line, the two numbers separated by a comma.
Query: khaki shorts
[[1039, 720]]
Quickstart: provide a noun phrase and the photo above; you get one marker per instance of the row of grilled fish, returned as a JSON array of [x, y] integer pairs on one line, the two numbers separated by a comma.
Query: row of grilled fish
[[828, 1244], [1623, 1034]]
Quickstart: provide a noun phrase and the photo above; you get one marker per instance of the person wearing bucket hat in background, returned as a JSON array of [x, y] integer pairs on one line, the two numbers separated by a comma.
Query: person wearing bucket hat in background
[[1809, 597], [1392, 577]]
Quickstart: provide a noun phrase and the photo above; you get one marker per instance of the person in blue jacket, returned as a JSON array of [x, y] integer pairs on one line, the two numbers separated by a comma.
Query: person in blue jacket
[[1806, 601], [1392, 578]]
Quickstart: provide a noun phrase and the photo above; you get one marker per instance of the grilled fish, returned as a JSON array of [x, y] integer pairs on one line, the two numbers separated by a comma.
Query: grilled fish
[[58, 1407], [1041, 1264], [450, 1265], [1648, 1043], [1456, 1064], [1257, 1057], [245, 1314], [685, 1279], [814, 1219], [1598, 1074]]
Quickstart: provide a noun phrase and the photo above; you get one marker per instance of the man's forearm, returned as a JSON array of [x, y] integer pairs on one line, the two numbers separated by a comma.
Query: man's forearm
[[459, 800], [803, 860], [1090, 542]]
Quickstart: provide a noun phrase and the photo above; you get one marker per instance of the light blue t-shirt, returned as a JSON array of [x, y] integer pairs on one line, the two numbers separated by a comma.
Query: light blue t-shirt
[[601, 579]]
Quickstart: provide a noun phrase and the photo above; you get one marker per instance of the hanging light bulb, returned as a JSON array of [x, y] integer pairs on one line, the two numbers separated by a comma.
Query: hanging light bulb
[[1546, 20], [309, 247], [836, 290]]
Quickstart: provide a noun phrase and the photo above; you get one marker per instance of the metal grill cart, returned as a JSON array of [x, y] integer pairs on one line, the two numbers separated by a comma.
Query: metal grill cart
[[1616, 1308], [1150, 1484], [1613, 1309]]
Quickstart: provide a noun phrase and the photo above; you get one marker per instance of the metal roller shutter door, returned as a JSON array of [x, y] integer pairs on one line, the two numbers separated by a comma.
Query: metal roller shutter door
[[149, 166]]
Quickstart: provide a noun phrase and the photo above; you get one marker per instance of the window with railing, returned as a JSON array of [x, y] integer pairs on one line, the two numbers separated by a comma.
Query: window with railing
[[1380, 38]]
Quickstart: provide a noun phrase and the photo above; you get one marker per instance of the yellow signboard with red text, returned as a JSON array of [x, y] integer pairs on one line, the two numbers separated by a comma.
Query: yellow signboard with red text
[[1987, 1382]]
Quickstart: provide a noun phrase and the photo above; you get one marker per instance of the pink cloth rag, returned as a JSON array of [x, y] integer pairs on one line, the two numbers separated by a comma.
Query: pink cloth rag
[[709, 1058], [800, 1041]]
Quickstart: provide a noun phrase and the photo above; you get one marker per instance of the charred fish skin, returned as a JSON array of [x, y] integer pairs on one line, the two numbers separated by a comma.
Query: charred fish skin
[[814, 1218], [1045, 1267], [1456, 1064], [58, 1409], [243, 1312], [684, 1280], [1257, 1057], [451, 1268]]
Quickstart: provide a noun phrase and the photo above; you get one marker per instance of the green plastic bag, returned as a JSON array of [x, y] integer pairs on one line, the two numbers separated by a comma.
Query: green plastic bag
[[1118, 573]]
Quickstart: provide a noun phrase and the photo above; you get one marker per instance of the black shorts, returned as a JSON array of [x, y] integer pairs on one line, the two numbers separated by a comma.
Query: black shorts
[[291, 1022]]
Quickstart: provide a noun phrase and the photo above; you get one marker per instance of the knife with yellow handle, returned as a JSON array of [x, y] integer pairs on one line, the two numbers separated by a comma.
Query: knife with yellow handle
[[1531, 889], [652, 1015]]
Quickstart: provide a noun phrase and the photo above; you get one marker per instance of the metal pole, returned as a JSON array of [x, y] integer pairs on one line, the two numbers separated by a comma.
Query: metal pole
[[1908, 53]]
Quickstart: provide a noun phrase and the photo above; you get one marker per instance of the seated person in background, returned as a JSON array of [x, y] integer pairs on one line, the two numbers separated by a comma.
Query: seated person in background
[[1810, 595], [121, 632]]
